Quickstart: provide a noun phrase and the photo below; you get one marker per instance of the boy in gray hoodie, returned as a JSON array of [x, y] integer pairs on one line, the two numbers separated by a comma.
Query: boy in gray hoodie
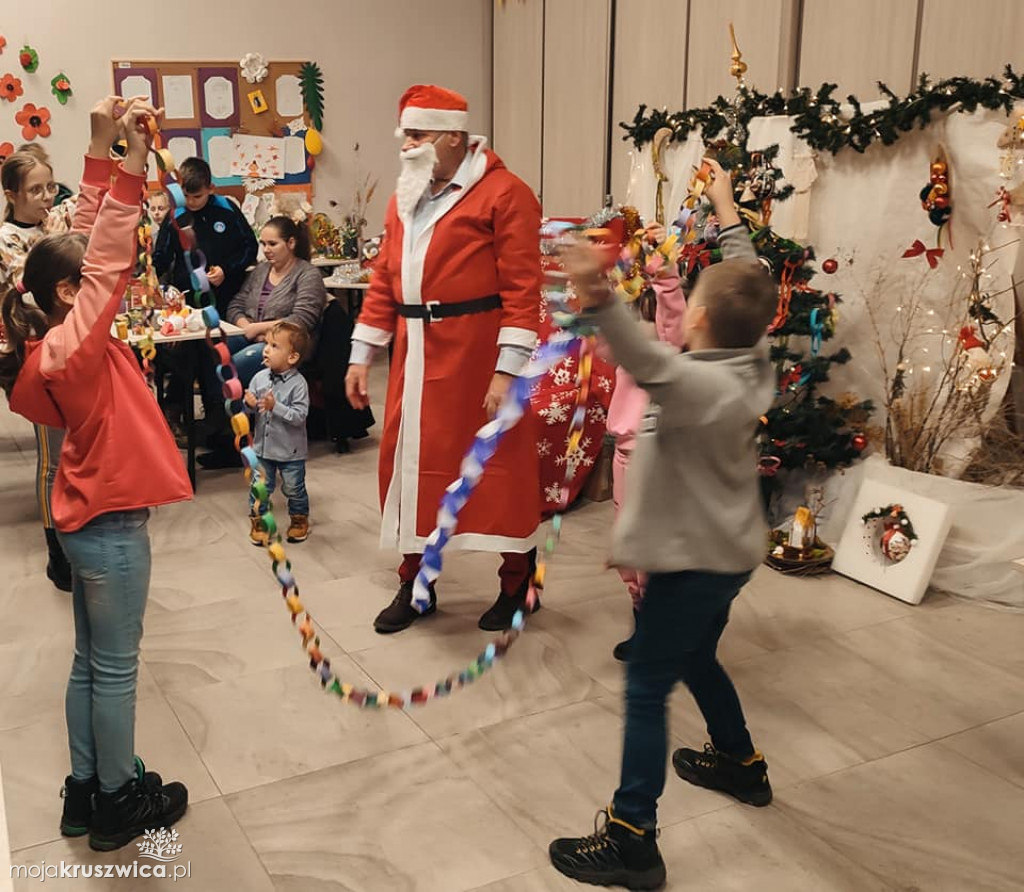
[[694, 523]]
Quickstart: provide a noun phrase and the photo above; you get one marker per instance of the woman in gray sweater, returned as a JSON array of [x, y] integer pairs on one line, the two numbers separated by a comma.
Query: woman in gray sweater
[[285, 286]]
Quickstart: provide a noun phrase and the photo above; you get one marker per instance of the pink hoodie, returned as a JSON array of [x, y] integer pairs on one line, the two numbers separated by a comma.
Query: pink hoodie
[[118, 452], [629, 402]]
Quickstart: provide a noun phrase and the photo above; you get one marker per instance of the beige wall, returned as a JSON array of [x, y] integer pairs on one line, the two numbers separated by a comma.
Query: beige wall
[[675, 54], [369, 53]]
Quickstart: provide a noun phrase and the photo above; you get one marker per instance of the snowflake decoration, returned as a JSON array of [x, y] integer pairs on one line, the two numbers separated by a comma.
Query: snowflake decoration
[[553, 493], [571, 459], [604, 383], [588, 461], [597, 413], [160, 845], [561, 376], [544, 311], [555, 413], [544, 447]]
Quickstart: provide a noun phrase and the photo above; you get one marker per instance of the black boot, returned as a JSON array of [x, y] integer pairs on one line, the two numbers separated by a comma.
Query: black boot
[[120, 817], [744, 780], [400, 614], [58, 570], [499, 616], [623, 648], [616, 854], [77, 795]]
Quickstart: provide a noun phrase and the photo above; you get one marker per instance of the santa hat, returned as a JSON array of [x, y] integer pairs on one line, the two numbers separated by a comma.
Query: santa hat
[[428, 107]]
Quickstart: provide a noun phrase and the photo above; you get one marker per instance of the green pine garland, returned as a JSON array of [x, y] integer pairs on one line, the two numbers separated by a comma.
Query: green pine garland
[[818, 116]]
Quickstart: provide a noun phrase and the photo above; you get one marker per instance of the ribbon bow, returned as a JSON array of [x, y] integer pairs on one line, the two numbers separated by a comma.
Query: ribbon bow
[[933, 255]]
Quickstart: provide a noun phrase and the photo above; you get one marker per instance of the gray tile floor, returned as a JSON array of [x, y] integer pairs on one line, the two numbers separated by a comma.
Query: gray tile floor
[[893, 733]]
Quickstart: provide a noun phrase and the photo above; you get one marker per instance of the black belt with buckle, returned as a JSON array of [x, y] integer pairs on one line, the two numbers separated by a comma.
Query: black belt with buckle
[[432, 310]]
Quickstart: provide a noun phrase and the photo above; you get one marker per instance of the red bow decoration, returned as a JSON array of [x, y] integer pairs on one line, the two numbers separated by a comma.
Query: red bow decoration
[[933, 255], [694, 256]]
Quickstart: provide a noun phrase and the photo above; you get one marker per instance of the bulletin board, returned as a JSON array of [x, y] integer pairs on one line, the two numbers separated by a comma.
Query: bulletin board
[[251, 135]]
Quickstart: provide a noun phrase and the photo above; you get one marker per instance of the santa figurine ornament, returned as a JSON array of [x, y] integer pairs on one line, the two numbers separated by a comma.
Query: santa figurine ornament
[[898, 536]]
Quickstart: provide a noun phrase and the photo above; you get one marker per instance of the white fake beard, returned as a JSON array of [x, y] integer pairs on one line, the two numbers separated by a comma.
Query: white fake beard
[[417, 172]]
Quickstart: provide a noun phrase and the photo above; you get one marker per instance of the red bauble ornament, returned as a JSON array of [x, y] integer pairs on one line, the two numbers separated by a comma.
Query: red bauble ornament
[[830, 265], [895, 544], [859, 442]]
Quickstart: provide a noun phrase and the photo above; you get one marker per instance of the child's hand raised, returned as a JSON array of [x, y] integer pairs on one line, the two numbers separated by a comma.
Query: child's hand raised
[[250, 399], [141, 121], [719, 190], [654, 234], [104, 126], [585, 264]]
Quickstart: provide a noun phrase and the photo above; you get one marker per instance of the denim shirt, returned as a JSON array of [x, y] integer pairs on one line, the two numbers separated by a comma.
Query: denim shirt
[[281, 432]]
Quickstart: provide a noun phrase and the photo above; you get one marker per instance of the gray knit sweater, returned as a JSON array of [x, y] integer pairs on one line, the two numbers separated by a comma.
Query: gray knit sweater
[[693, 499]]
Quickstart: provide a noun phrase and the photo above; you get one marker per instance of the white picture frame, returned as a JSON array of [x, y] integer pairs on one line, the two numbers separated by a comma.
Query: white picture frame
[[859, 555]]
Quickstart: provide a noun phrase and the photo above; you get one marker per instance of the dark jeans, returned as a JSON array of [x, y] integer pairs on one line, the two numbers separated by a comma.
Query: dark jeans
[[681, 618]]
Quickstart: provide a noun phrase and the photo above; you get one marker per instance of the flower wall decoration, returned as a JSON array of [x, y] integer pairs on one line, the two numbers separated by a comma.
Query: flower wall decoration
[[10, 87], [254, 67], [6, 150], [29, 58], [34, 121], [61, 88]]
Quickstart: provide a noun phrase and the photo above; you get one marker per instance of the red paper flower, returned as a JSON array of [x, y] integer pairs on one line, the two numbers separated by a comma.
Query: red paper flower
[[34, 121], [3, 42], [6, 148], [10, 87]]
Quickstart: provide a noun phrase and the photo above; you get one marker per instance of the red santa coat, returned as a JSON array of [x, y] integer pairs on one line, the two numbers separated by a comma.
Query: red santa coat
[[478, 241]]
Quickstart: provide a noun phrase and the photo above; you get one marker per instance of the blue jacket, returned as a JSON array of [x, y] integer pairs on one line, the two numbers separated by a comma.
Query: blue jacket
[[281, 433], [222, 234]]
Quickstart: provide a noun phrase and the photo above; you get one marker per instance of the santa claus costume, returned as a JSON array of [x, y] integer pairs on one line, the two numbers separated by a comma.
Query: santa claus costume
[[456, 293]]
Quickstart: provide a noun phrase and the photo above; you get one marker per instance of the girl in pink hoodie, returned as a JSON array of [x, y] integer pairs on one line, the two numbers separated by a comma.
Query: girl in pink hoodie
[[629, 402], [62, 368]]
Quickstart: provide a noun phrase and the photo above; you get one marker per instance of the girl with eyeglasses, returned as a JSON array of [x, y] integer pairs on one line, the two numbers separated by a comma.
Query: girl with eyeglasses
[[29, 214]]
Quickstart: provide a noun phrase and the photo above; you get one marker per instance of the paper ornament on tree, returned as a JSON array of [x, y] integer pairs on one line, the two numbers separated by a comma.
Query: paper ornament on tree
[[61, 88], [29, 59]]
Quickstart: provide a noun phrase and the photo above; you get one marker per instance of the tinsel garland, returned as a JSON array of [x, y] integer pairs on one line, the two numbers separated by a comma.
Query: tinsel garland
[[818, 117]]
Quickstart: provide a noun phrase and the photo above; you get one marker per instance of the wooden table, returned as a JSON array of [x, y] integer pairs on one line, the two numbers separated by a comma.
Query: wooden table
[[228, 330]]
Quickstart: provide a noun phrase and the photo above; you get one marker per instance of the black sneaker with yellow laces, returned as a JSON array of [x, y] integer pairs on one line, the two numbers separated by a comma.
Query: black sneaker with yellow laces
[[616, 854], [746, 780]]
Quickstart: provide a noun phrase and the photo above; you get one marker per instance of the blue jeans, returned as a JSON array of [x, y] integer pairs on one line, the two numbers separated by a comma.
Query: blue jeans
[[681, 618], [110, 565], [293, 483]]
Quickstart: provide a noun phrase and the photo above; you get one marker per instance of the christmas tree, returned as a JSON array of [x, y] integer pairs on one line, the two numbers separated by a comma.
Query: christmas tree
[[804, 428]]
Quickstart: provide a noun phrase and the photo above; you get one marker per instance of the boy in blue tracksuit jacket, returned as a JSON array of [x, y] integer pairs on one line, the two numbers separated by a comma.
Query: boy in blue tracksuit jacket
[[222, 234]]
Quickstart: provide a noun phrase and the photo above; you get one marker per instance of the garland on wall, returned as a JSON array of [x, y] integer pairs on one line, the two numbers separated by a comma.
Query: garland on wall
[[819, 119]]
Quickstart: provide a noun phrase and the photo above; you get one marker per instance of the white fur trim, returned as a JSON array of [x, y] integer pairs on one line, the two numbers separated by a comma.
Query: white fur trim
[[510, 336], [413, 118], [370, 335]]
